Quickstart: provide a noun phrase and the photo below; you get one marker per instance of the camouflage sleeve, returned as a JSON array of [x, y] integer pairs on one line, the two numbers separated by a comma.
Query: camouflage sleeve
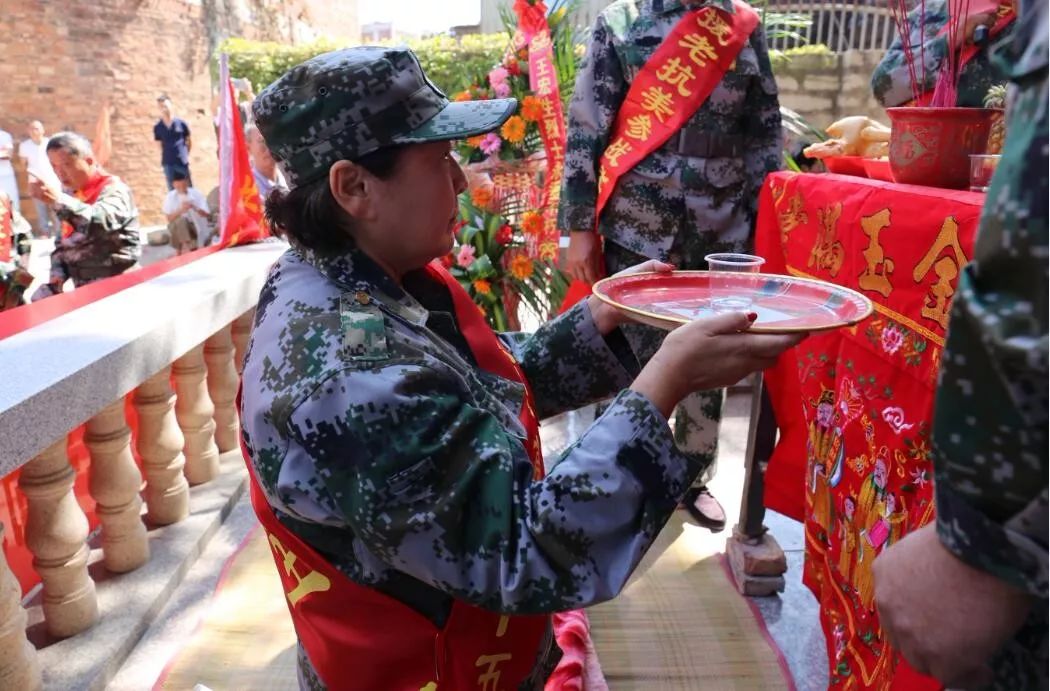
[[991, 419], [762, 125], [891, 80], [600, 89], [569, 364], [439, 489], [113, 210]]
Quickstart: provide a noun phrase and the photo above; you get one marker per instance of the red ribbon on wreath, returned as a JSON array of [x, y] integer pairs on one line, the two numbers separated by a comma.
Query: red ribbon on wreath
[[543, 81]]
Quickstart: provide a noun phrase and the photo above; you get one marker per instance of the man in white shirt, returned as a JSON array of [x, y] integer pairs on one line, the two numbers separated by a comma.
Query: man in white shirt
[[187, 213], [33, 152], [8, 183]]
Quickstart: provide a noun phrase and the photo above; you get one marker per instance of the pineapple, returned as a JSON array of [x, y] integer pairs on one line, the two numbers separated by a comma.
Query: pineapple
[[996, 98]]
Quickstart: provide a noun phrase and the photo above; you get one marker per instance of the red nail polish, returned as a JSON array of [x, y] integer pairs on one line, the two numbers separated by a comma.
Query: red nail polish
[[752, 316]]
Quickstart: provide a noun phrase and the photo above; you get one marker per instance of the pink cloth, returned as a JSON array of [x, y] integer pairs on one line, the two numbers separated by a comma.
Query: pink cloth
[[579, 669]]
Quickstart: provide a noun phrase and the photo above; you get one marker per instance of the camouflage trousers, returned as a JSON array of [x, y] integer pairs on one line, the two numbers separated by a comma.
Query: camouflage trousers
[[697, 417]]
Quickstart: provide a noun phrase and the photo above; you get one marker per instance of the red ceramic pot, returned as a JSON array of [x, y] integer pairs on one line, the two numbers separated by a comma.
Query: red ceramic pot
[[932, 146]]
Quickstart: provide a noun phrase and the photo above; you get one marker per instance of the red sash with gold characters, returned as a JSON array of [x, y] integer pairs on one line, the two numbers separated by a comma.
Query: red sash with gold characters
[[671, 87]]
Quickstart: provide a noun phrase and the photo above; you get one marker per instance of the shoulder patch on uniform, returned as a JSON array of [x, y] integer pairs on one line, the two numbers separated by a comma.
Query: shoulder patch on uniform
[[364, 328]]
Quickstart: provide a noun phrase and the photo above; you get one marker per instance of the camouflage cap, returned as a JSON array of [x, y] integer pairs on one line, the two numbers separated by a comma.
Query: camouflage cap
[[351, 102]]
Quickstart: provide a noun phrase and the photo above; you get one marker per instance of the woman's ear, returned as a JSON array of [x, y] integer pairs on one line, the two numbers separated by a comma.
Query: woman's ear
[[350, 185]]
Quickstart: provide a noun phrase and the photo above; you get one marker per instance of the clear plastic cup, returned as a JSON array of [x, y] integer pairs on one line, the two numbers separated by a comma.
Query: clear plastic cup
[[731, 294], [982, 167]]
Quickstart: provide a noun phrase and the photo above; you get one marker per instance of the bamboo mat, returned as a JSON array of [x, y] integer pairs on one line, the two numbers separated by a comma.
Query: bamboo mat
[[680, 624], [246, 640]]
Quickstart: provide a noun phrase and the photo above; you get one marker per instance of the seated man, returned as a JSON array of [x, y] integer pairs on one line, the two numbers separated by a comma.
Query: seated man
[[100, 224], [187, 212], [14, 254]]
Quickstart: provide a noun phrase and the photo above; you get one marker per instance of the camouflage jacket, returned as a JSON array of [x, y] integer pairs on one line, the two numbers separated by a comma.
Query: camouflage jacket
[[105, 237], [990, 428], [382, 445], [891, 81], [666, 193]]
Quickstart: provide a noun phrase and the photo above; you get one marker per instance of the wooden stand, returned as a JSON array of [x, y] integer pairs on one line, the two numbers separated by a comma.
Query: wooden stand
[[755, 558]]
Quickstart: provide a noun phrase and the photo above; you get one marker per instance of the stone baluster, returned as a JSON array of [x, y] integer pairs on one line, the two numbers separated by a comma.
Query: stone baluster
[[56, 534], [115, 482], [194, 411], [222, 387], [19, 668], [242, 330], [159, 444]]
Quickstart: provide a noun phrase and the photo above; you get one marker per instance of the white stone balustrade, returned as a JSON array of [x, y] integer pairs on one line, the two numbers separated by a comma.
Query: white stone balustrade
[[190, 325]]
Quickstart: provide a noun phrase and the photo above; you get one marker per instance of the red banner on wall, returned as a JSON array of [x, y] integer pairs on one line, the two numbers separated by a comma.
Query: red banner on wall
[[855, 406]]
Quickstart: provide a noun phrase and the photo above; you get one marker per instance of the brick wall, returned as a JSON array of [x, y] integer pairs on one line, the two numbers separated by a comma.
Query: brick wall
[[62, 61], [824, 88]]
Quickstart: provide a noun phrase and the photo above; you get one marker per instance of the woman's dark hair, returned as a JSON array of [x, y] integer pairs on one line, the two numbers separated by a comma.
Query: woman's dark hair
[[309, 216]]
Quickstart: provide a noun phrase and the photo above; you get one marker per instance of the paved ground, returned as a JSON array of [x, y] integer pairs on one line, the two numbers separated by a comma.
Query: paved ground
[[791, 617]]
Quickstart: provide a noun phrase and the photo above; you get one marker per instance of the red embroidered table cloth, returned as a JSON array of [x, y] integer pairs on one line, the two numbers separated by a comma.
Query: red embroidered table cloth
[[854, 406]]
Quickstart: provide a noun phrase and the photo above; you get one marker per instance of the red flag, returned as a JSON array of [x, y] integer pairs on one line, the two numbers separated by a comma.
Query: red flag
[[103, 143], [240, 217]]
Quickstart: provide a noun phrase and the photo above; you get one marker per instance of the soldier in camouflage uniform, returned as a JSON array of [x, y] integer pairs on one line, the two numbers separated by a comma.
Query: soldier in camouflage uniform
[[973, 587], [100, 224], [373, 432], [694, 196], [891, 80], [14, 278]]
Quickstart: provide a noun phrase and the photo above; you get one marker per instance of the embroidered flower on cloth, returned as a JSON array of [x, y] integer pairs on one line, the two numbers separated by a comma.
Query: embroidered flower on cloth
[[892, 339]]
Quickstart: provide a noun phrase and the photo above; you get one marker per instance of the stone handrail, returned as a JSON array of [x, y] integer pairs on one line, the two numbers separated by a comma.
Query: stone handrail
[[189, 325]]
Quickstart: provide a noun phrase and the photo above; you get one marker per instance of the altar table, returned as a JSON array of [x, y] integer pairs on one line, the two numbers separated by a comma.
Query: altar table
[[854, 406]]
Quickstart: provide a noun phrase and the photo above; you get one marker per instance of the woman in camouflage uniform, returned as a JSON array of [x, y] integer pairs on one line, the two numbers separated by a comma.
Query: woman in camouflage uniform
[[379, 438]]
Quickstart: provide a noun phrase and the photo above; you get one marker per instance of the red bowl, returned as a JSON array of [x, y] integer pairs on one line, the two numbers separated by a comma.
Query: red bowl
[[878, 169], [846, 165]]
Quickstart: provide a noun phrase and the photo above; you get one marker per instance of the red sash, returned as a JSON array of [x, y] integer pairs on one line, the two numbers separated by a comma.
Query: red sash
[[89, 194], [360, 639], [671, 87]]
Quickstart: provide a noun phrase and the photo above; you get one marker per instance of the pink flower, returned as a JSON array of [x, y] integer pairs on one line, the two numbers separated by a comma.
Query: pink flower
[[501, 90], [490, 144], [892, 339], [465, 256], [498, 76]]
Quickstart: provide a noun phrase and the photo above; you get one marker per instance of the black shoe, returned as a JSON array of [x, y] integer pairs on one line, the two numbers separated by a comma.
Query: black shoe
[[710, 513]]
